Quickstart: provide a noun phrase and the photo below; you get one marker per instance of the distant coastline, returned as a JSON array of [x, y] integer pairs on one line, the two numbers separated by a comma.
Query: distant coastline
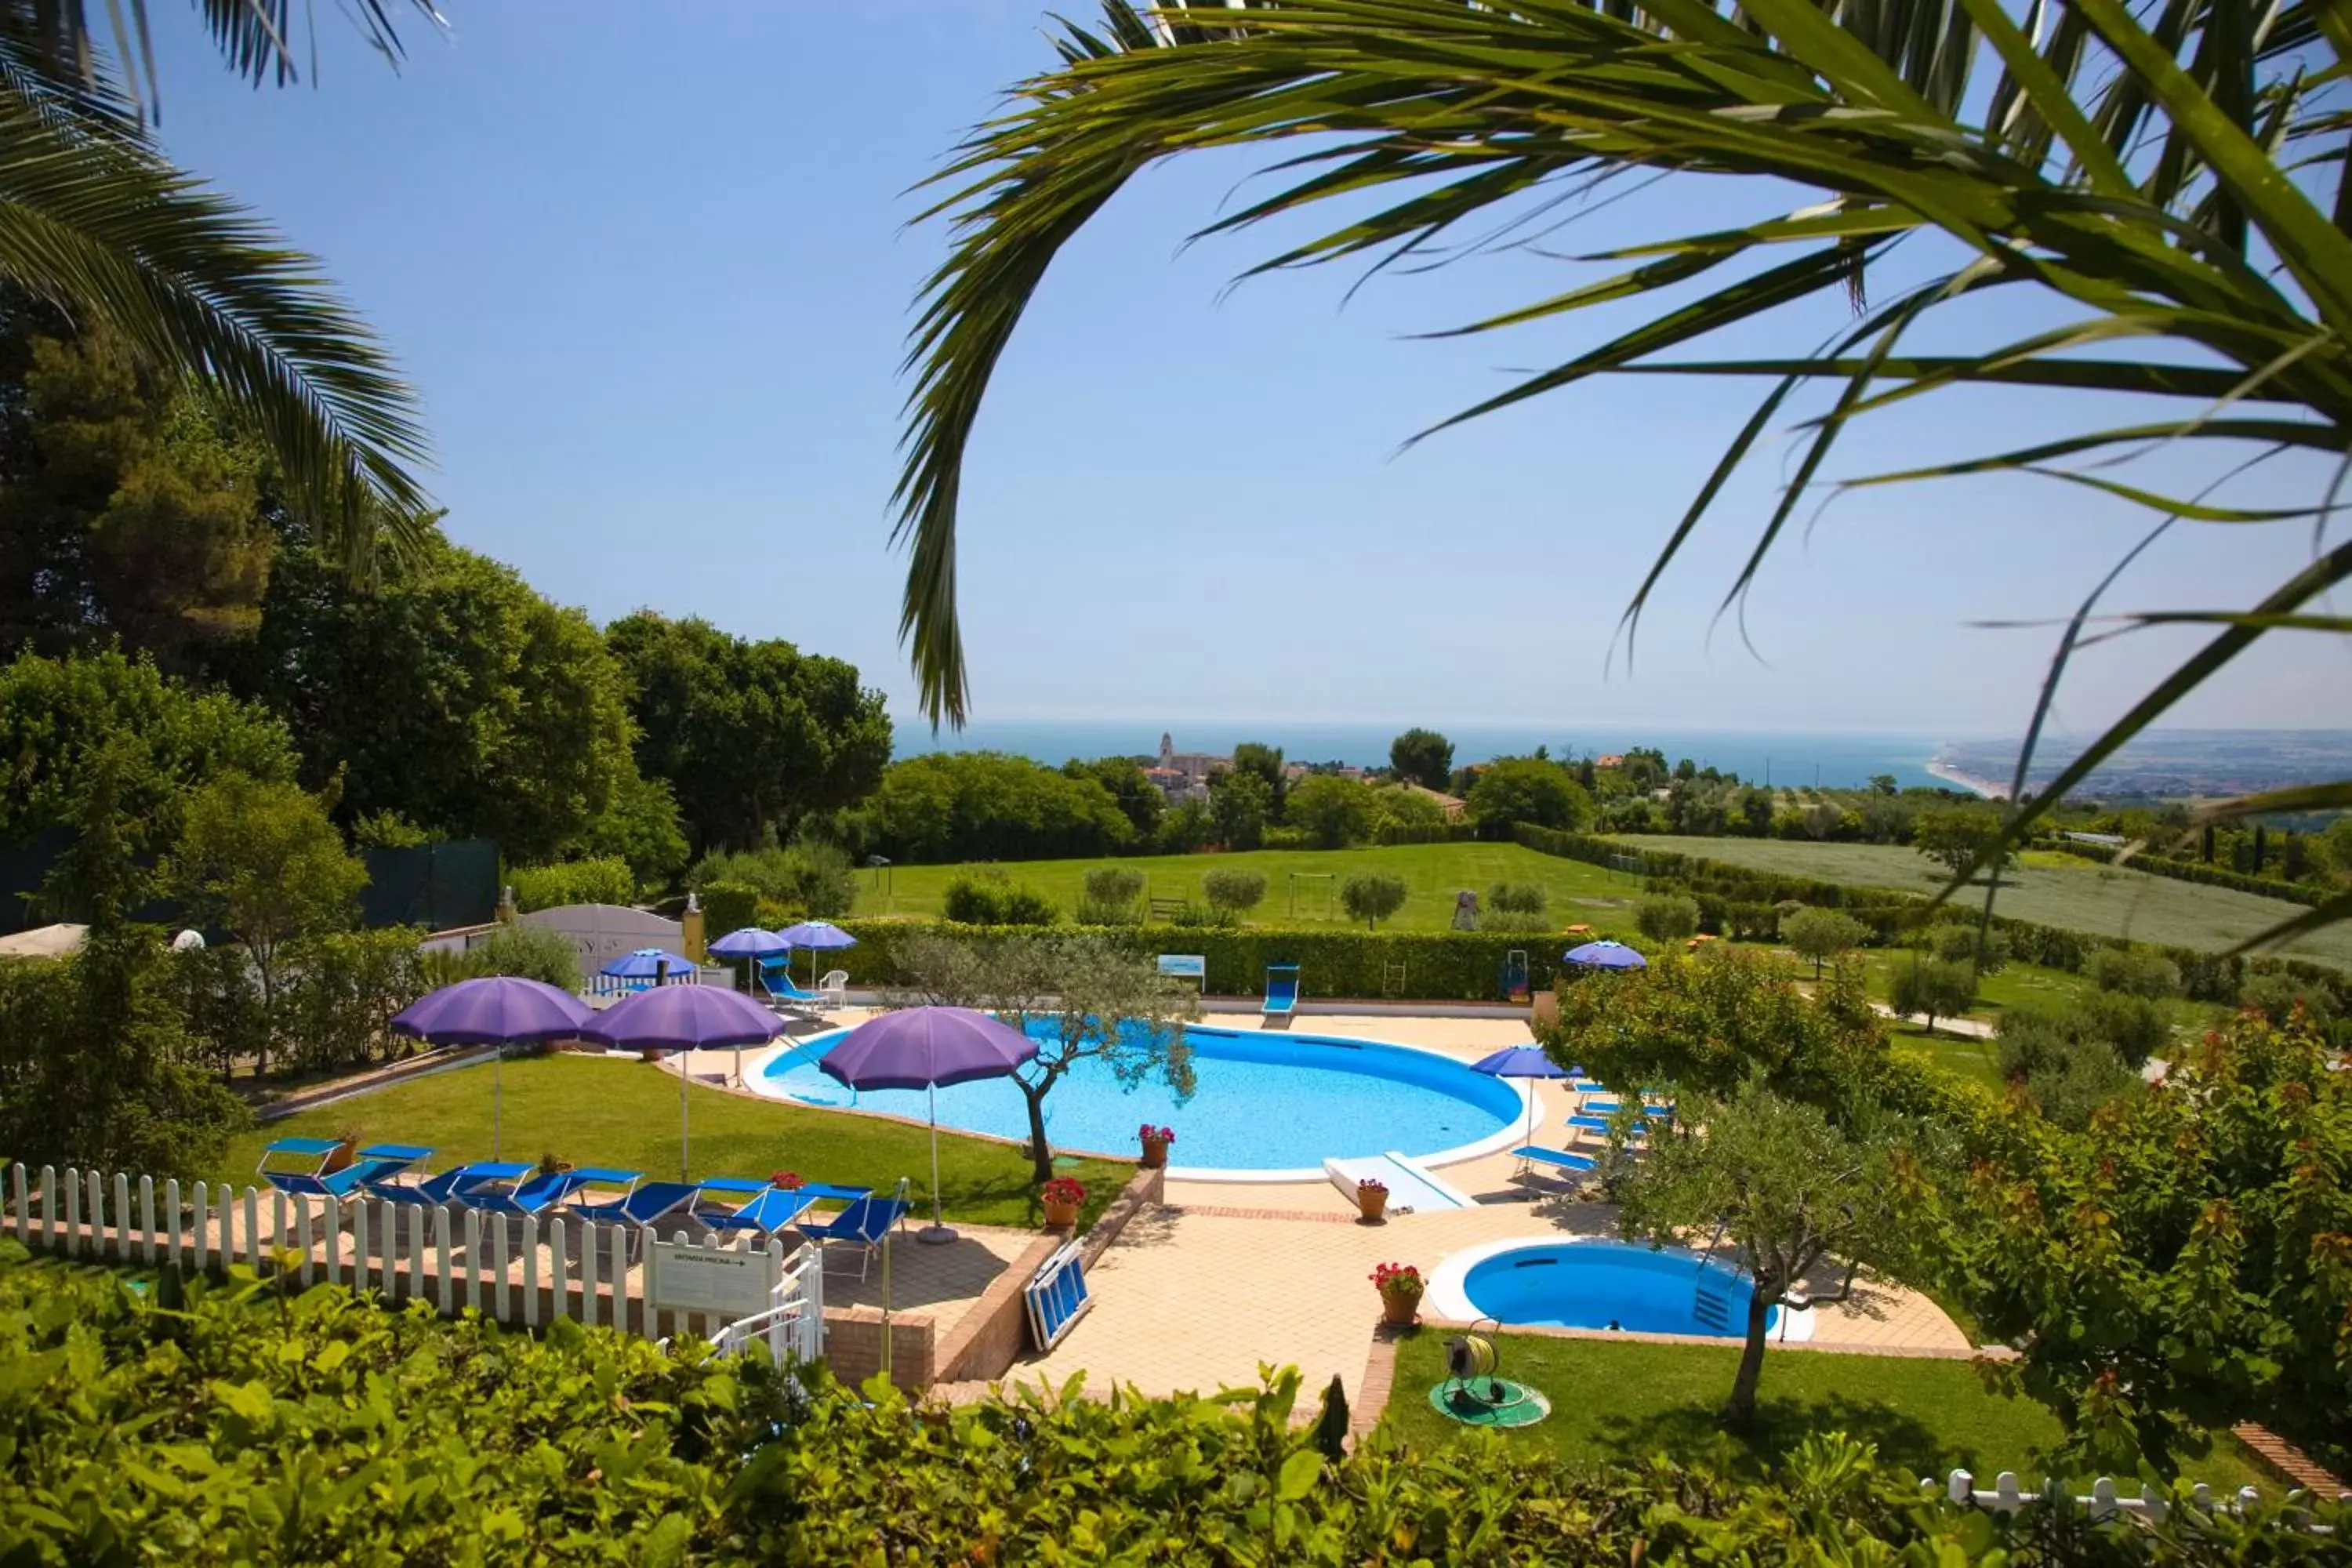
[[1969, 782]]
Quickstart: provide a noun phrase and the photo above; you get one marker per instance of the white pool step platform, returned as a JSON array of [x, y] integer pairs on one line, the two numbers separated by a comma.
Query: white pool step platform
[[1414, 1187]]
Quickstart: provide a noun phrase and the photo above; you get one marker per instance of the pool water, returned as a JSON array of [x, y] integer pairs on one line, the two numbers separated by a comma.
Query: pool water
[[1610, 1285], [1260, 1102]]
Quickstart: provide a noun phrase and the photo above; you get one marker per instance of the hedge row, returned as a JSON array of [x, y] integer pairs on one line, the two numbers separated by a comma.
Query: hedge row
[[1431, 966], [1425, 832], [1722, 889], [2198, 872]]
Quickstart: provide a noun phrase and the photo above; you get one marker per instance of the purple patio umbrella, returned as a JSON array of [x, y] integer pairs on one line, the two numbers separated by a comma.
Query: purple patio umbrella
[[496, 1010], [1606, 956], [930, 1048], [1522, 1061], [817, 936], [751, 942], [684, 1018]]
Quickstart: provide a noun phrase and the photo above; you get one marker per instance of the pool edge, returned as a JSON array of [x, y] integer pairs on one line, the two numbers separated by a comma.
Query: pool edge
[[1448, 1300]]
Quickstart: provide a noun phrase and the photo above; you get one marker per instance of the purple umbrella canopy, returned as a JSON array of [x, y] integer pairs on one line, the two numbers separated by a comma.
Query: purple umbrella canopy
[[1606, 956], [817, 936], [751, 941], [1521, 1062], [682, 1017], [496, 1010], [927, 1048]]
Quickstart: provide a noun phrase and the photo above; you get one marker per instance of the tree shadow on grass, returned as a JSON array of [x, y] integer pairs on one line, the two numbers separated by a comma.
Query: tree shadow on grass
[[1693, 1434]]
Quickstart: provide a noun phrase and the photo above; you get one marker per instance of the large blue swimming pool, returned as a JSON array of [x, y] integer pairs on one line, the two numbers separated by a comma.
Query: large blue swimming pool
[[1610, 1285], [1263, 1101]]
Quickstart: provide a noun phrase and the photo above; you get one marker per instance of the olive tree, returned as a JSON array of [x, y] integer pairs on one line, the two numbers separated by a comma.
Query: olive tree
[[1233, 893], [1933, 987], [1670, 918], [1821, 934], [1082, 997], [1372, 896]]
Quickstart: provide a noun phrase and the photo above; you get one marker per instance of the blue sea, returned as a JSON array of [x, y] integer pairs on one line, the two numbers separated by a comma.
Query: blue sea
[[1781, 757]]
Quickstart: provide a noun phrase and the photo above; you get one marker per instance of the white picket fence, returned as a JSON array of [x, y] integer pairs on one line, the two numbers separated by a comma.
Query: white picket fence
[[517, 1271], [2008, 1495]]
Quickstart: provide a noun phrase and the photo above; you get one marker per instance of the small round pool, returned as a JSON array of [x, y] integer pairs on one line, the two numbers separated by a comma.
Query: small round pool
[[1594, 1284], [1269, 1107]]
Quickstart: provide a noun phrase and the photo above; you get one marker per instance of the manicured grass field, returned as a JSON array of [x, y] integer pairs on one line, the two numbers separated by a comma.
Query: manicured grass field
[[1433, 873], [598, 1110], [2078, 895], [1631, 1401]]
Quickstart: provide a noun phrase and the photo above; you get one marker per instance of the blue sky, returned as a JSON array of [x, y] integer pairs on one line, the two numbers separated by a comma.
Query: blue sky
[[651, 276]]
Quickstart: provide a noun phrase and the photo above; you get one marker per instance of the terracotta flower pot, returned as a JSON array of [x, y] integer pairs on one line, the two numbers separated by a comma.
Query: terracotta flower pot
[[1398, 1308], [1372, 1202], [1155, 1153], [1061, 1216]]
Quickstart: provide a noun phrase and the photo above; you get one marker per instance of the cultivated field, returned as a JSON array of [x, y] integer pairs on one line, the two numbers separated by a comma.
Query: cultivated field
[[2080, 896], [1433, 873]]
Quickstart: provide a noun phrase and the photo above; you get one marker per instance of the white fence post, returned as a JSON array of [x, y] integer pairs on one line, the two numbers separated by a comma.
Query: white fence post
[[441, 1261], [502, 1260], [122, 1216], [588, 1234], [21, 1193], [73, 1212], [559, 1288], [620, 1277], [98, 1214], [360, 1245], [171, 1220], [306, 1242], [531, 1271], [147, 1218], [204, 1227], [474, 1258], [253, 1227], [49, 1207]]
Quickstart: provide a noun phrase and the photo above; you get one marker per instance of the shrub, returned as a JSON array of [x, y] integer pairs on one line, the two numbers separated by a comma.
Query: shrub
[[344, 990], [2133, 1028], [1821, 934], [993, 899], [729, 906], [1372, 896], [1111, 895], [1966, 941], [2135, 972], [602, 881], [2067, 1077], [533, 953], [1517, 898], [813, 878], [2276, 997], [1673, 918], [1932, 986], [1234, 892]]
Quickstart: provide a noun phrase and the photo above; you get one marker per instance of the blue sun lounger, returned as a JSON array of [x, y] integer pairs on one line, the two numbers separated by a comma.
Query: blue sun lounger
[[376, 1163], [776, 980], [1281, 990], [1530, 1154], [642, 1206], [758, 1205], [864, 1224]]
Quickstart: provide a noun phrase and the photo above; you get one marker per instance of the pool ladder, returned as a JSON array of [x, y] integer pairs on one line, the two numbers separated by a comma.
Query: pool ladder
[[1711, 1304]]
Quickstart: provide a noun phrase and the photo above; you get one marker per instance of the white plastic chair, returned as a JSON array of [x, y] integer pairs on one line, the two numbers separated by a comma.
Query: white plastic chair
[[834, 988]]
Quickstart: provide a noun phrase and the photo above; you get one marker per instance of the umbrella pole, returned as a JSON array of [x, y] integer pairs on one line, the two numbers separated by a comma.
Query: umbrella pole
[[497, 1098], [683, 1061], [935, 1234]]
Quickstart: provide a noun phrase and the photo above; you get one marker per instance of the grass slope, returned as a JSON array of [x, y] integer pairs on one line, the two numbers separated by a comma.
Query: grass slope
[[1629, 1401], [603, 1111], [1433, 873], [2077, 895]]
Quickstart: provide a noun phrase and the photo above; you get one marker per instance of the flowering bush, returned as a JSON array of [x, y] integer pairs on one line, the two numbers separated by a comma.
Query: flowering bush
[[1397, 1281], [1065, 1190], [1151, 1134], [1371, 1184], [788, 1180]]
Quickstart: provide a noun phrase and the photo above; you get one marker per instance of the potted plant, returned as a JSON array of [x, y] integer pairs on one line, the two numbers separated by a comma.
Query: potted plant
[[1155, 1144], [1399, 1286], [1371, 1199], [789, 1181], [1062, 1197], [550, 1164]]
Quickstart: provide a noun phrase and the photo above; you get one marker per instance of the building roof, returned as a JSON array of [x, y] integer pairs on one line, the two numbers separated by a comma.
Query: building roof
[[45, 941]]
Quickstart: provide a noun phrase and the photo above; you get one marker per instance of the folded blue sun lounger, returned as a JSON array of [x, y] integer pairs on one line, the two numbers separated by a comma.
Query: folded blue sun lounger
[[1556, 1159]]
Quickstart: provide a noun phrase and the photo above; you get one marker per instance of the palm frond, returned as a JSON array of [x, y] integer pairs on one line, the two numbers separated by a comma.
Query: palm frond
[[256, 38]]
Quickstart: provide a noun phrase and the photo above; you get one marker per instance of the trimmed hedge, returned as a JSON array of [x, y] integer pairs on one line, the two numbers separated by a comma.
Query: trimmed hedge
[[2198, 872], [1425, 832], [1728, 894], [1438, 966]]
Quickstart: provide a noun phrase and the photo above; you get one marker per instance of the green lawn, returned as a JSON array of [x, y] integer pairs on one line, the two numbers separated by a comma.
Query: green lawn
[[1433, 873], [604, 1111], [1629, 1401], [2058, 890]]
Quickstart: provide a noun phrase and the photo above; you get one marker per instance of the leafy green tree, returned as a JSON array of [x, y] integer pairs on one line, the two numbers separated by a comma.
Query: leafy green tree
[[811, 879], [2068, 1071], [1401, 806], [751, 736], [1265, 762], [1524, 789], [2146, 172], [262, 861], [1136, 795], [990, 898], [1188, 826], [1240, 802], [1967, 940], [1933, 987], [1958, 837], [603, 881], [1821, 934], [2200, 1213], [2332, 848], [1667, 917], [1371, 897], [531, 952], [2135, 972], [57, 714], [1111, 896], [1233, 893], [1798, 1199], [987, 805], [1082, 997], [457, 696], [1423, 757], [1334, 811]]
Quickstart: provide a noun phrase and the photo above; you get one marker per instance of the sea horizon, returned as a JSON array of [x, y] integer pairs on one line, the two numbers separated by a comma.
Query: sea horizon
[[1832, 759]]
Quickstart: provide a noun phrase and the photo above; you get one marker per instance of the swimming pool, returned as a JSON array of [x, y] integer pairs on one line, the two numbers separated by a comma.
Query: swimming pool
[[1268, 1107], [1589, 1283]]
